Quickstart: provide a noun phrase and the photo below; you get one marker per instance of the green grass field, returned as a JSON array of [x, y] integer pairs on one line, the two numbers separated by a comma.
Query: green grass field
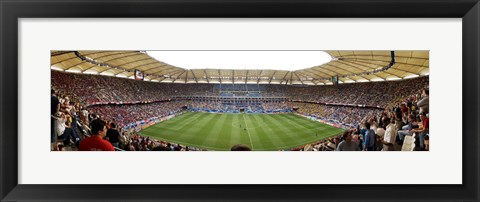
[[262, 132]]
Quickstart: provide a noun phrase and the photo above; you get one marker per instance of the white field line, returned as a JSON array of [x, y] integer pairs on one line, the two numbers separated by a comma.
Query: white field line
[[249, 137]]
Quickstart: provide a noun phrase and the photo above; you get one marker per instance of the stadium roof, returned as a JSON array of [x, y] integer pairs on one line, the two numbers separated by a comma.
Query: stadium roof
[[349, 66]]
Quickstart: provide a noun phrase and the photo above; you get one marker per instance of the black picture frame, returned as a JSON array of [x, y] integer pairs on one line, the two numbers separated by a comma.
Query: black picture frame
[[11, 11]]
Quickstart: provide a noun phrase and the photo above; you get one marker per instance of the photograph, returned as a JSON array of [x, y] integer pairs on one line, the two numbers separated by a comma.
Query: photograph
[[239, 100]]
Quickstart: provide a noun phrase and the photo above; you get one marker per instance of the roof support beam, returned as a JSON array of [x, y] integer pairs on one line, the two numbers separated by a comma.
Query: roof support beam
[[366, 61], [360, 63], [63, 60], [124, 69], [174, 72], [349, 71], [81, 61], [194, 77], [350, 65], [271, 77], [61, 53], [136, 67], [390, 73], [403, 63], [163, 78], [405, 70], [387, 56], [368, 68], [246, 77], [291, 76], [78, 64], [116, 59], [299, 78], [186, 77], [323, 71], [314, 73], [133, 62], [363, 64], [303, 74], [94, 65], [153, 67], [258, 76], [178, 76], [117, 53], [220, 76], [283, 79], [326, 65], [94, 52], [172, 67], [206, 75], [103, 63]]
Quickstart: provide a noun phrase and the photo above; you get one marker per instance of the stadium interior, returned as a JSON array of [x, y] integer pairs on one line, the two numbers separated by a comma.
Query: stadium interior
[[358, 101]]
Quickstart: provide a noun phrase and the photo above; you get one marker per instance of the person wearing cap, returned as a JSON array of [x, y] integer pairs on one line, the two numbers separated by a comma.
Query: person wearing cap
[[422, 132], [96, 141], [347, 144]]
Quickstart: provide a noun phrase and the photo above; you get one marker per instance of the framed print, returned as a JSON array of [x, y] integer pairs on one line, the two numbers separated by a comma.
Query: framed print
[[368, 43]]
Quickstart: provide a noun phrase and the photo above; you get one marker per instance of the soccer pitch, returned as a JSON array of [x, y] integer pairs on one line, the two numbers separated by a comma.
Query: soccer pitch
[[262, 132]]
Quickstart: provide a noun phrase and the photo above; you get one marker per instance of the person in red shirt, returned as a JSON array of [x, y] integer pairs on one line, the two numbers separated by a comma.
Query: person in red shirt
[[96, 141], [422, 132]]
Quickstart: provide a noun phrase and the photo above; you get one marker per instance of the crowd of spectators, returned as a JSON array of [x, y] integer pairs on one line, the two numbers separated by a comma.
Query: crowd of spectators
[[127, 114], [228, 107], [78, 99], [276, 107], [135, 142], [107, 89], [382, 94], [84, 129], [213, 106], [377, 130], [343, 114]]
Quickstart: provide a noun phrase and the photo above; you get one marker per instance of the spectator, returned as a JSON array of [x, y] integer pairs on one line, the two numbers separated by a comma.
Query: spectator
[[96, 141], [422, 132], [390, 135], [240, 147], [55, 106], [347, 144], [61, 148], [113, 135], [423, 103], [406, 129], [369, 138], [67, 134]]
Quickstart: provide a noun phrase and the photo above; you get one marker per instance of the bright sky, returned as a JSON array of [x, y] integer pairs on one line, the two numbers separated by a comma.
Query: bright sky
[[242, 60]]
